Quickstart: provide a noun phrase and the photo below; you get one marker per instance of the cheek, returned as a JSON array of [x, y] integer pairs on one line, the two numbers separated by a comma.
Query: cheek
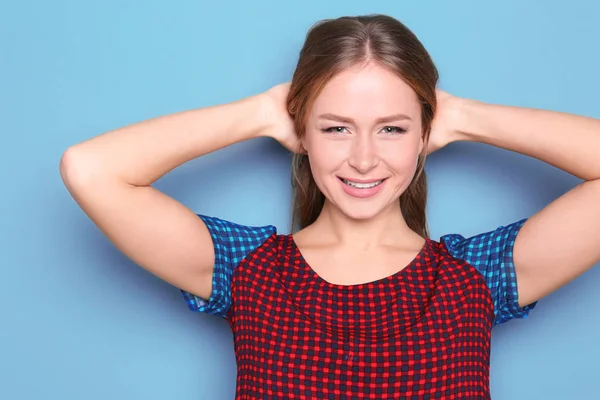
[[401, 158], [323, 162], [326, 155]]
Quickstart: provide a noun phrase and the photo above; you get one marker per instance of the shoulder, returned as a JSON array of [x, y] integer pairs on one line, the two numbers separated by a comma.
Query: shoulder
[[235, 241], [232, 231], [475, 248], [232, 244], [491, 254]]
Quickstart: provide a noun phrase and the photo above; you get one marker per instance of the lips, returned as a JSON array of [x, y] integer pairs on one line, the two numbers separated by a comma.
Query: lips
[[362, 188], [362, 185], [358, 180]]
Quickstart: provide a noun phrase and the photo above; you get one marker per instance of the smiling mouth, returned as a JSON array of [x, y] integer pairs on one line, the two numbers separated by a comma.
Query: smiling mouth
[[362, 185]]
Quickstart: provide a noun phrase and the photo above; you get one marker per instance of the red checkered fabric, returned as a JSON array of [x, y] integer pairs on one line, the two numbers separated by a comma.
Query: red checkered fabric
[[421, 333]]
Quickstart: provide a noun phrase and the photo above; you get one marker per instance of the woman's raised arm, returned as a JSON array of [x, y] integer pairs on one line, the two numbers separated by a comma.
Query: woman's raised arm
[[110, 177]]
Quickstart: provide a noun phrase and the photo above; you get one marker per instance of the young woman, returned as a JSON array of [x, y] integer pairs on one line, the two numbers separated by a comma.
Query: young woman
[[358, 303]]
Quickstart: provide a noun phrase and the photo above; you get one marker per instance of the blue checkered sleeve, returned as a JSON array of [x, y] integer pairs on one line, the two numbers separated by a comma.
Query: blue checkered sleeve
[[232, 243], [491, 253]]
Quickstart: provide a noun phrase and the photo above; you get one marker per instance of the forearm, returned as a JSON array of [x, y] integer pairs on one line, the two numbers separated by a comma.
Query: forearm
[[566, 141], [141, 153]]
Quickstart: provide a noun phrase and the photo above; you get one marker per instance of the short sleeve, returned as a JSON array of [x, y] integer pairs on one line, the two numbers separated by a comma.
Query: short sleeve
[[491, 253], [231, 243]]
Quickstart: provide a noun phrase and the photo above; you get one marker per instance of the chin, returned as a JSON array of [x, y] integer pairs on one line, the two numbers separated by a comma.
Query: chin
[[361, 212]]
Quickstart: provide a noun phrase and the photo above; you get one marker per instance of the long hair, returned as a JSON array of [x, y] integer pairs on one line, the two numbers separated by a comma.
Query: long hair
[[334, 45]]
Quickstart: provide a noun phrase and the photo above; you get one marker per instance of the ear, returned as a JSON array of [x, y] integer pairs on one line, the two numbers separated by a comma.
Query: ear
[[302, 149], [303, 145], [422, 145]]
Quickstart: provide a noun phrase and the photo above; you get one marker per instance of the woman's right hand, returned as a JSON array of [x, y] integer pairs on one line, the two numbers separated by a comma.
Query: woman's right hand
[[281, 124]]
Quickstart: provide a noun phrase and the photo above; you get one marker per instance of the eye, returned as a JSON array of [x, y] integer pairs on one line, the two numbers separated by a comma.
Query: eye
[[335, 129], [393, 130]]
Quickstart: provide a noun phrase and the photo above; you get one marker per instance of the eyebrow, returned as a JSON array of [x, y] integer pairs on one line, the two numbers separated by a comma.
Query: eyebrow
[[380, 120]]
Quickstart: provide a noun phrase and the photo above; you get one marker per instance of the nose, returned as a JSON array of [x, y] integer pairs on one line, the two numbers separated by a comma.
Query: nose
[[364, 154]]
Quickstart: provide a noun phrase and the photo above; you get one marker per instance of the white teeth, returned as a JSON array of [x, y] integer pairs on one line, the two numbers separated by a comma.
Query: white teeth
[[362, 185]]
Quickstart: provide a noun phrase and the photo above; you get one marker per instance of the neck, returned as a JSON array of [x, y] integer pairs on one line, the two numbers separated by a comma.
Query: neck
[[388, 227]]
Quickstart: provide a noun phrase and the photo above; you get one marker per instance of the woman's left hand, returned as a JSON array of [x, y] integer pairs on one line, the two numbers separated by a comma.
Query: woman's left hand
[[444, 128]]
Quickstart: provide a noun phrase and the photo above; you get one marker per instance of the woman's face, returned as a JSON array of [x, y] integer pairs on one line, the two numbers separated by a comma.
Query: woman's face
[[363, 138]]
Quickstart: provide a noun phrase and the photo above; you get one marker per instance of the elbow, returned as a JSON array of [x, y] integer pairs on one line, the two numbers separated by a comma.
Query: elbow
[[74, 168], [67, 166], [83, 171], [64, 164]]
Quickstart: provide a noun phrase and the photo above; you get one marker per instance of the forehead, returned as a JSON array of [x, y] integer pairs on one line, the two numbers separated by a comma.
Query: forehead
[[367, 92]]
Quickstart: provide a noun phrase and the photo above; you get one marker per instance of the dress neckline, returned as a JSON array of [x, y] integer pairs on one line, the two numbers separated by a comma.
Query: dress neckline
[[312, 273]]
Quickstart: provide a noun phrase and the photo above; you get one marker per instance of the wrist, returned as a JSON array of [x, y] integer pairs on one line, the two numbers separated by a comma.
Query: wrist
[[254, 117], [263, 115], [465, 126]]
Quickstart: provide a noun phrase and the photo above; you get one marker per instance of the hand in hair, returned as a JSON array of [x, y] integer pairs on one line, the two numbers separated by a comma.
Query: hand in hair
[[445, 121], [280, 122]]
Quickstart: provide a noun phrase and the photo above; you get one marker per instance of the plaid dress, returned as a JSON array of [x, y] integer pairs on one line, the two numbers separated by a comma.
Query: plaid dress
[[421, 333]]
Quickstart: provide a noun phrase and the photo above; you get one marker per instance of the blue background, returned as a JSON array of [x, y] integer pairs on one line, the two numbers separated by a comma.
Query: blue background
[[80, 321]]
